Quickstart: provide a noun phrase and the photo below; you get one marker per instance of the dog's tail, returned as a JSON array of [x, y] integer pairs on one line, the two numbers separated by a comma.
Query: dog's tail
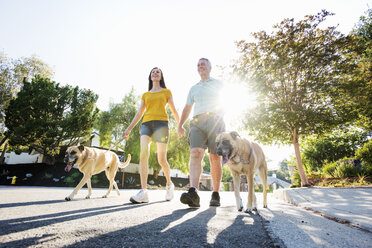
[[126, 163]]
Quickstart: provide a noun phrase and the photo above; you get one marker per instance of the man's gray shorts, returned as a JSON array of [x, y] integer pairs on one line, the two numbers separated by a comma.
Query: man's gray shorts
[[204, 129]]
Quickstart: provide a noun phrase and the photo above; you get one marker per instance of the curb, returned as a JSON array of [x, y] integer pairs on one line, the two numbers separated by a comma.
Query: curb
[[295, 198]]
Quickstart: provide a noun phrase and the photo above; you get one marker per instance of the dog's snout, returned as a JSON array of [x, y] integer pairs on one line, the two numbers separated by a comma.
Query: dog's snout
[[219, 151]]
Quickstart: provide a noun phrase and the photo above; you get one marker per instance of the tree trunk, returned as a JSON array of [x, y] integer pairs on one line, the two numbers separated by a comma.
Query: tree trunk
[[2, 157], [301, 171], [3, 141]]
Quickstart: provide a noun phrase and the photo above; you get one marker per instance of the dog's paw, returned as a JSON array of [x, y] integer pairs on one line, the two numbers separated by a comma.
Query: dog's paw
[[68, 198], [248, 211]]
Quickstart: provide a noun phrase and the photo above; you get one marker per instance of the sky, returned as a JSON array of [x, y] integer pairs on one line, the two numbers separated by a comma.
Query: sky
[[110, 46]]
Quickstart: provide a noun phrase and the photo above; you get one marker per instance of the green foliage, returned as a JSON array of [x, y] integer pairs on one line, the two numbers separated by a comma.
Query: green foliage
[[318, 150], [329, 169], [44, 115], [355, 93], [291, 70], [346, 168], [226, 186], [72, 178], [206, 163], [226, 174], [178, 149], [365, 153], [95, 179], [12, 73], [112, 123], [296, 179]]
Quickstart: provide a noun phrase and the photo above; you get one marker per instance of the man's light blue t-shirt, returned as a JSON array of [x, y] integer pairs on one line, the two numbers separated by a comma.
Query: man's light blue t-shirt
[[206, 97]]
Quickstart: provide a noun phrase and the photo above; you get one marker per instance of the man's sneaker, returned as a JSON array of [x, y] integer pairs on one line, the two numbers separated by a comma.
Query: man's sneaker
[[191, 198], [141, 197], [169, 192], [215, 201]]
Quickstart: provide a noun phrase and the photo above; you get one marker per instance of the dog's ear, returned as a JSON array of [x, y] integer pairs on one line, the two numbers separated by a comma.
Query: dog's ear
[[81, 148], [234, 135]]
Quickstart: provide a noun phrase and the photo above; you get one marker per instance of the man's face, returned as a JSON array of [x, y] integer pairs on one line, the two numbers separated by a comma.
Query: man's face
[[203, 67]]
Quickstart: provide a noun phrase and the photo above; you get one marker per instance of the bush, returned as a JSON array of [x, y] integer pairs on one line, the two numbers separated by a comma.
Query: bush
[[296, 179], [345, 168], [226, 186], [365, 153], [329, 169]]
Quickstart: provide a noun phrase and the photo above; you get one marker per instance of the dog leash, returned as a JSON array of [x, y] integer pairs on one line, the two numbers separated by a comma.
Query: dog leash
[[117, 143]]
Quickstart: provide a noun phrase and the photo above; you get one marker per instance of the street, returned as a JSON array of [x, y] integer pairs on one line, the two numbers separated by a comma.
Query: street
[[40, 217]]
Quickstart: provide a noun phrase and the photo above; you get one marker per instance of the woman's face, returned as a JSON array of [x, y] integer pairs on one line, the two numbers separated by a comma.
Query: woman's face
[[156, 75]]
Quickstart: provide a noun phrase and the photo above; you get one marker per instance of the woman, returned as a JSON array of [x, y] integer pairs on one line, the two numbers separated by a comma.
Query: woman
[[154, 127]]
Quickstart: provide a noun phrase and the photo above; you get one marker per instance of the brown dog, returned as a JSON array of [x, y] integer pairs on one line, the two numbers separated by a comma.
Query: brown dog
[[243, 157], [92, 161]]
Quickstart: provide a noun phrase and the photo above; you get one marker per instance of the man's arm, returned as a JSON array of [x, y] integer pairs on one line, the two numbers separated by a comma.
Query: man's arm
[[185, 114]]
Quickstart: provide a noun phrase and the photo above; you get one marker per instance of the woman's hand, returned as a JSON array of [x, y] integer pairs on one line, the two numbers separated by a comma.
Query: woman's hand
[[180, 131], [126, 133]]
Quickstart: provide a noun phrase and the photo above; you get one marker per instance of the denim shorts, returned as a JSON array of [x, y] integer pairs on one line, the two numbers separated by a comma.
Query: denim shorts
[[157, 130], [204, 129]]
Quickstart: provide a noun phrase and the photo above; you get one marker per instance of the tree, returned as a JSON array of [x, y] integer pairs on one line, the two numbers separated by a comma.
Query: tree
[[12, 73], [354, 94], [44, 115], [112, 123], [291, 70]]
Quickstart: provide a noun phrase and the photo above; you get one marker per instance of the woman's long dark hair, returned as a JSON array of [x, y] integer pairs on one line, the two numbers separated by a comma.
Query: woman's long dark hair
[[162, 83]]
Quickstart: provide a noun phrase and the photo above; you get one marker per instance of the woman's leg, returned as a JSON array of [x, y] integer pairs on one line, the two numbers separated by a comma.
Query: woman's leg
[[144, 160], [162, 159]]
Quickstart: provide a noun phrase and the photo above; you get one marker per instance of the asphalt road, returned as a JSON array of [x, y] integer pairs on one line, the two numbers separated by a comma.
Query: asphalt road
[[40, 217]]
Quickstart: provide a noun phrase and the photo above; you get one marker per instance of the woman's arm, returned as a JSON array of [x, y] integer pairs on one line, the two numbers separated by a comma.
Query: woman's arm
[[173, 109], [135, 120]]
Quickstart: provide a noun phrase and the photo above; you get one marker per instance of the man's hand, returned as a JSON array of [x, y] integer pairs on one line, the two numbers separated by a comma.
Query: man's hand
[[180, 131]]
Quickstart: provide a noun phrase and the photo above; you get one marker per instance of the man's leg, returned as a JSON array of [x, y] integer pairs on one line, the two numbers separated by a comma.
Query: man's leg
[[216, 171], [191, 197], [196, 157]]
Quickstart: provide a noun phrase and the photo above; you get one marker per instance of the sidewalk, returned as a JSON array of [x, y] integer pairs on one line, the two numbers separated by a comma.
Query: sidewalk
[[345, 205]]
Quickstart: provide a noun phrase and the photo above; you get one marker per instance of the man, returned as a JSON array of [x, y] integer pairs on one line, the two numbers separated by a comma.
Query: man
[[207, 122]]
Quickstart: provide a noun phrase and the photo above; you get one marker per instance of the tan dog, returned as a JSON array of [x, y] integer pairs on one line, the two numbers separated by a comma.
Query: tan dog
[[243, 157], [92, 161]]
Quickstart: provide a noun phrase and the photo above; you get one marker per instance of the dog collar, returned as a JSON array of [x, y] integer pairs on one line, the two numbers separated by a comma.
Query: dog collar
[[85, 157], [249, 158]]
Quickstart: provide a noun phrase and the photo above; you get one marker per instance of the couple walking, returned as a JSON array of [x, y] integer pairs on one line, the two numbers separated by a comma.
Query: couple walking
[[206, 123]]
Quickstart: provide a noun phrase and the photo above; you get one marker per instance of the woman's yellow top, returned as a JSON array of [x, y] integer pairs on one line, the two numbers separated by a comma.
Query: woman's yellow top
[[155, 105]]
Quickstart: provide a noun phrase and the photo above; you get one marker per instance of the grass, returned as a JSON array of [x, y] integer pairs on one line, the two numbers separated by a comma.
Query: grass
[[341, 182]]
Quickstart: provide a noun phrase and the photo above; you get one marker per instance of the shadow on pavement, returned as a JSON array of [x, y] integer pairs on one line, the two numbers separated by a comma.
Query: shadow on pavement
[[23, 224], [22, 204], [161, 232]]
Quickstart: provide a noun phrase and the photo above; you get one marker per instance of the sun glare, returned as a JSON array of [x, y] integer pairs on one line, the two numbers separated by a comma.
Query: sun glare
[[236, 100]]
